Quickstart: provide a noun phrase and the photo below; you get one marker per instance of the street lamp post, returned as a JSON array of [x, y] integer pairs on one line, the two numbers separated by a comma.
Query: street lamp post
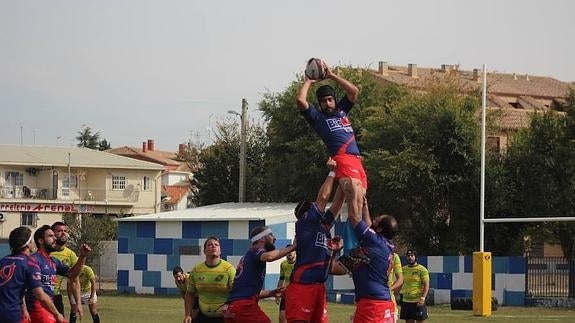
[[244, 124]]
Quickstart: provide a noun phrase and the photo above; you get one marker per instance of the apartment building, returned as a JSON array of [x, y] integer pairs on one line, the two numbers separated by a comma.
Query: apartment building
[[511, 97], [177, 176], [38, 185]]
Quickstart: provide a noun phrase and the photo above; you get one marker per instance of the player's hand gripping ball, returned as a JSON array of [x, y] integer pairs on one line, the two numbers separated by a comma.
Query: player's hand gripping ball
[[315, 69]]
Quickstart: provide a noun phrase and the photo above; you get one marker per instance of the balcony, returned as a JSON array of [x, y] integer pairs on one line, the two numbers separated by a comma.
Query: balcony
[[87, 195]]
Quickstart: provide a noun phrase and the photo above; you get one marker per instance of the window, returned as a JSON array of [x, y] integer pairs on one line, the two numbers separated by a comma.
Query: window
[[15, 178], [189, 250], [118, 182], [494, 144], [28, 219], [147, 183], [72, 183]]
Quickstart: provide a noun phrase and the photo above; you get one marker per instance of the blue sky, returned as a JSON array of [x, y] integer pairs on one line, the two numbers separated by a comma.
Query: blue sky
[[169, 70]]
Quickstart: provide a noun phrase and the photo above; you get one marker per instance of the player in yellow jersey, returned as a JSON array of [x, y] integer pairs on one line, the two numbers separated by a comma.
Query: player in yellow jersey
[[88, 293], [211, 281], [68, 257], [395, 282], [181, 280], [286, 267], [414, 290]]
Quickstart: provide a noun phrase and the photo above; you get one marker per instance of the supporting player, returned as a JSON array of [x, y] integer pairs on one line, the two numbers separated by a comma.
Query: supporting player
[[371, 280], [306, 294]]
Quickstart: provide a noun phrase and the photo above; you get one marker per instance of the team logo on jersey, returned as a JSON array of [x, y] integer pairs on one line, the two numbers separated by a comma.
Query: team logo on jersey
[[219, 278], [6, 273], [201, 278], [321, 240], [49, 280], [336, 124]]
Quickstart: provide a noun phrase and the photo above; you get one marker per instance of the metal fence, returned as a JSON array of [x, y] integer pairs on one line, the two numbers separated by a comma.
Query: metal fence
[[550, 277]]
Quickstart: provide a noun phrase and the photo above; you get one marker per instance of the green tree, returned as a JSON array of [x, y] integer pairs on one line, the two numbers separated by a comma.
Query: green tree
[[422, 158], [218, 173], [104, 145], [92, 230], [87, 139], [541, 166]]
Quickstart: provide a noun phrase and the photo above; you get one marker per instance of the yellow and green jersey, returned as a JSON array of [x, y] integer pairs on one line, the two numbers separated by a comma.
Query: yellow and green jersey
[[86, 276], [414, 278], [285, 271], [182, 287], [211, 284], [69, 258], [391, 279]]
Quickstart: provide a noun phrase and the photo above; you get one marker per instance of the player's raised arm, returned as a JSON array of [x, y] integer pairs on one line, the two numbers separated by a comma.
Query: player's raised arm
[[301, 99], [276, 254], [365, 213], [351, 91], [326, 188]]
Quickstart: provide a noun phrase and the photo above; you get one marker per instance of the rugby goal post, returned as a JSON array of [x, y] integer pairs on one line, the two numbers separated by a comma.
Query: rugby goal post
[[482, 259]]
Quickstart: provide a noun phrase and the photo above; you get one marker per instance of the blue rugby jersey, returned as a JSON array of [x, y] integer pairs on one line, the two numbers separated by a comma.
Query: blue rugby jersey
[[50, 268], [312, 233], [371, 279], [17, 273], [335, 131], [250, 275]]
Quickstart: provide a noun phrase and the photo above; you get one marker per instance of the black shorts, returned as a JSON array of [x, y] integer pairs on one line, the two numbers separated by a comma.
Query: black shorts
[[410, 311], [59, 303], [283, 304], [201, 318]]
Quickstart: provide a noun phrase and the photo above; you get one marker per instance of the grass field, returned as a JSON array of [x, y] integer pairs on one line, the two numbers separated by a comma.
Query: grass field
[[154, 309]]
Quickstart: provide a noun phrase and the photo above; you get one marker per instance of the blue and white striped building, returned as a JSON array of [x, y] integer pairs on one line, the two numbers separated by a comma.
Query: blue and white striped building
[[149, 246]]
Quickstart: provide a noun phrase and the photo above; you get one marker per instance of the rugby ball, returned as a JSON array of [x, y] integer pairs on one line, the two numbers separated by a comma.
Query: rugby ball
[[315, 69]]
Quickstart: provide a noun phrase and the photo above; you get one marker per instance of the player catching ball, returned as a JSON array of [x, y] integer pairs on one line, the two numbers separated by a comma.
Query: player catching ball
[[331, 122]]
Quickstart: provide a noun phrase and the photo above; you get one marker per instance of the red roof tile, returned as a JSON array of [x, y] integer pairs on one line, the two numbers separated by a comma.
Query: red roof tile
[[175, 193]]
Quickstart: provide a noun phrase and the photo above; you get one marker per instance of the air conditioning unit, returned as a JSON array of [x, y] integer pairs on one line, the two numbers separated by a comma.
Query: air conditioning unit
[[32, 171]]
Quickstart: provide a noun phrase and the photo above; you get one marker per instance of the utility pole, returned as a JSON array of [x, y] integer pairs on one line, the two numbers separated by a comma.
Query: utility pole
[[243, 142], [243, 139]]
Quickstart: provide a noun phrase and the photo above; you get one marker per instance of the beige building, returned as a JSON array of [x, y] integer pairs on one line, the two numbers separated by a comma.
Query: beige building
[[38, 185], [512, 98], [177, 190]]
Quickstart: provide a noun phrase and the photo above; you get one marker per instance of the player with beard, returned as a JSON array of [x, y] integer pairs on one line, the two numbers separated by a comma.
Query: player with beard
[[331, 122], [50, 268], [414, 290], [18, 273], [242, 304], [69, 258]]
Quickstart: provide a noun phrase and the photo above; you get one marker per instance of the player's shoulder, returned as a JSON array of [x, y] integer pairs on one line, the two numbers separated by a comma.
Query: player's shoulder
[[198, 267], [226, 264], [88, 270]]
